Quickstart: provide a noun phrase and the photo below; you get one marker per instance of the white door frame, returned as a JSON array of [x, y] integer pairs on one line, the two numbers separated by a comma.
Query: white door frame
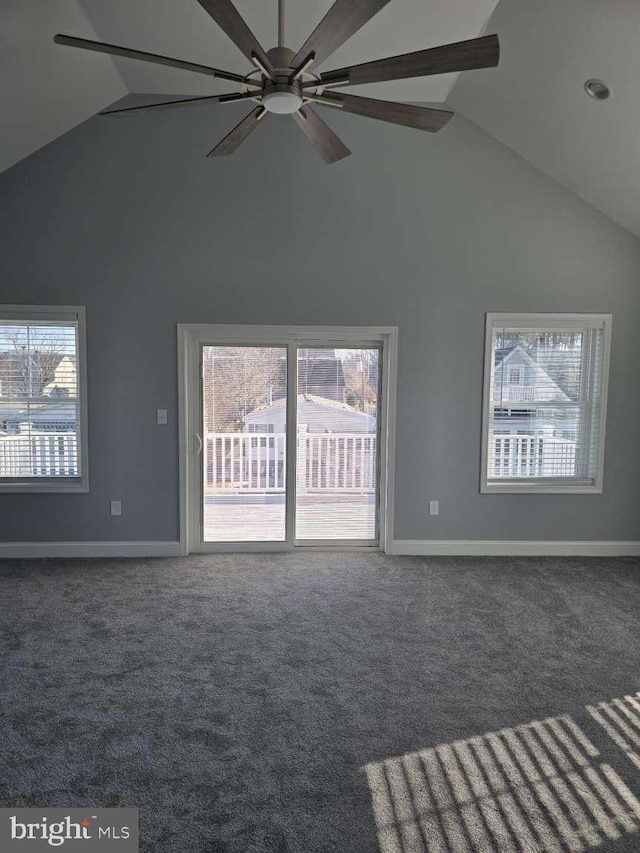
[[191, 336]]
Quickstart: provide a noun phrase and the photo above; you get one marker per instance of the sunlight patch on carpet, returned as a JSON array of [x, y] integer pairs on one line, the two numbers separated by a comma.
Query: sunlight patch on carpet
[[620, 718], [534, 787]]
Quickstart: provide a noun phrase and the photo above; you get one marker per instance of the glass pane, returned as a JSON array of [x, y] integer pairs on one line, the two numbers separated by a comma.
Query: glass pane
[[337, 461], [537, 404], [539, 367], [543, 443], [38, 400], [244, 391]]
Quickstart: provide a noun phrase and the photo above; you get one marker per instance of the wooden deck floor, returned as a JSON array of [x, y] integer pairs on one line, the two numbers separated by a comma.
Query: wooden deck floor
[[259, 519]]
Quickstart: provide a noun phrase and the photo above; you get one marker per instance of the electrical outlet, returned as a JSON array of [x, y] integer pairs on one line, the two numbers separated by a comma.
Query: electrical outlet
[[116, 507], [162, 416], [434, 507]]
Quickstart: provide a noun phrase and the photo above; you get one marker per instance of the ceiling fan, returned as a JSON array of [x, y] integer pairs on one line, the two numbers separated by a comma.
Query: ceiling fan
[[281, 81]]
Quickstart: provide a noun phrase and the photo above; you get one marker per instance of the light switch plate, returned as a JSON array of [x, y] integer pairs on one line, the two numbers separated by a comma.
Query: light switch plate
[[162, 416], [116, 507]]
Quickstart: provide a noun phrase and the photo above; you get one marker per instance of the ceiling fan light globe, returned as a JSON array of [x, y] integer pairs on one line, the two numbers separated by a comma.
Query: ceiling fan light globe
[[282, 103]]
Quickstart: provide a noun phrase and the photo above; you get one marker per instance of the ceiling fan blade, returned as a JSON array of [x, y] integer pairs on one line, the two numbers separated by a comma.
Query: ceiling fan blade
[[463, 56], [342, 20], [421, 118], [220, 99], [238, 135], [326, 143], [160, 106], [115, 50], [227, 17]]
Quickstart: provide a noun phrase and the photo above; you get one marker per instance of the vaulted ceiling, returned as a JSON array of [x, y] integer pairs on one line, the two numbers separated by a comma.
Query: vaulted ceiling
[[533, 102], [45, 91], [184, 29]]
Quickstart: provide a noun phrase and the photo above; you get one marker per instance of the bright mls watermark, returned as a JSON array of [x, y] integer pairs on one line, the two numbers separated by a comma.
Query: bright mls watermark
[[86, 830]]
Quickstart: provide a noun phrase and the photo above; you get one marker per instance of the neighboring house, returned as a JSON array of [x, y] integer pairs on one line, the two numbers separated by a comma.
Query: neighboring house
[[340, 444], [320, 373], [316, 414], [54, 415], [65, 379], [49, 411], [520, 386], [319, 370]]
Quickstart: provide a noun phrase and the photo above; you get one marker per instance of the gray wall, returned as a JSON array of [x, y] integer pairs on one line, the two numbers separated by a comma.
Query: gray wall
[[427, 232]]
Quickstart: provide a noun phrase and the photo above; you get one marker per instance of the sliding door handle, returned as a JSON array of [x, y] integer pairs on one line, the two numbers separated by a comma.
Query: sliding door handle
[[198, 447]]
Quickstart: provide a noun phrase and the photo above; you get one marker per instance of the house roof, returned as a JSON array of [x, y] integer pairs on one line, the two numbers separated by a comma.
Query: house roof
[[501, 354], [542, 376], [44, 408], [309, 398]]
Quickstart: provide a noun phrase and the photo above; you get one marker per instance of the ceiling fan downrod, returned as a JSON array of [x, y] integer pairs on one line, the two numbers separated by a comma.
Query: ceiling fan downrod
[[280, 23]]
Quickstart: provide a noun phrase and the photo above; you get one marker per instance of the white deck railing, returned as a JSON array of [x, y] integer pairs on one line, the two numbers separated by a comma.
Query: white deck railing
[[338, 462], [514, 393], [247, 462], [347, 462], [39, 454], [256, 462], [532, 456]]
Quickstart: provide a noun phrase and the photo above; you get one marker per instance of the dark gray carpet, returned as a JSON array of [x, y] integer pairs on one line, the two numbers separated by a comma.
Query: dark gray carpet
[[236, 700]]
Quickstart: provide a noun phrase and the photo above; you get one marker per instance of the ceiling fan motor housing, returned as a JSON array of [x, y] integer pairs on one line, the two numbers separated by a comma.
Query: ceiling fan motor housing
[[281, 95], [281, 59]]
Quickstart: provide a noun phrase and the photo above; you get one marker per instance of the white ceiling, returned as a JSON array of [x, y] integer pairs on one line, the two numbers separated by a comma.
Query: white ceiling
[[44, 92], [181, 28], [535, 103]]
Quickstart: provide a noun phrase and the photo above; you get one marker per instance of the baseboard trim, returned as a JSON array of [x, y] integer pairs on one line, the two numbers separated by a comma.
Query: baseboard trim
[[406, 547], [27, 550], [513, 548]]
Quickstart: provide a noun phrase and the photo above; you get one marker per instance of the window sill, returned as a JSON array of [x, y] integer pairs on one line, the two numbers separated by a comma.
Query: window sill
[[541, 488], [73, 486]]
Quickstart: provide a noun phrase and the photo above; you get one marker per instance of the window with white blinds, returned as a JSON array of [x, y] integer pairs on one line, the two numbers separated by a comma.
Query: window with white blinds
[[545, 396], [42, 415]]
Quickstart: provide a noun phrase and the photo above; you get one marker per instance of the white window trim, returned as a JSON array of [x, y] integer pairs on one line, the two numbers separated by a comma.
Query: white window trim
[[536, 321], [76, 313]]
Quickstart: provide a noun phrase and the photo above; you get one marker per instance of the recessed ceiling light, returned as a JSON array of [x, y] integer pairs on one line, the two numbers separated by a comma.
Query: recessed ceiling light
[[597, 89]]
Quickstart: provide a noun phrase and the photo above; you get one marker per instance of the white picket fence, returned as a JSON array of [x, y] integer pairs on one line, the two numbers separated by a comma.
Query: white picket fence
[[256, 462], [532, 456], [39, 454]]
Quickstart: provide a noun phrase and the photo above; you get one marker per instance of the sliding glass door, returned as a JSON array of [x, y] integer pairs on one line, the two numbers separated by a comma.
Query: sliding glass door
[[284, 437], [244, 443], [337, 444]]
